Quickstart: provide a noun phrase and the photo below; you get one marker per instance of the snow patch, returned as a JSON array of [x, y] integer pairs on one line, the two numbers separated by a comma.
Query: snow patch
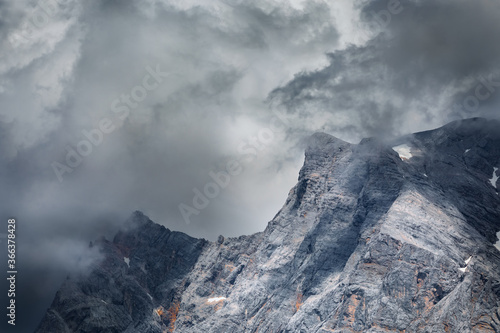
[[466, 265], [150, 296], [404, 151], [468, 150], [494, 178], [104, 301], [497, 244], [127, 261], [215, 299]]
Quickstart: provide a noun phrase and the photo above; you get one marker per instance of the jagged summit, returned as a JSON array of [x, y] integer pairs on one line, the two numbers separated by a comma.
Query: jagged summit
[[137, 218], [323, 141], [473, 126], [375, 237]]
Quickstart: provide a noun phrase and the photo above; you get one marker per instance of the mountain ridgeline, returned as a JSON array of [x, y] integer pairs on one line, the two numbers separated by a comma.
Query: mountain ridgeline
[[375, 237]]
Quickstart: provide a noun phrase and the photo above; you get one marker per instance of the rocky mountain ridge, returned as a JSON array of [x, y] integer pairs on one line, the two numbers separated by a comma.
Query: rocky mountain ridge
[[375, 237]]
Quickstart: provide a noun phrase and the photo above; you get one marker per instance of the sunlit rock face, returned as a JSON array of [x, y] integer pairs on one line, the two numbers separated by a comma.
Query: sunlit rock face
[[369, 240]]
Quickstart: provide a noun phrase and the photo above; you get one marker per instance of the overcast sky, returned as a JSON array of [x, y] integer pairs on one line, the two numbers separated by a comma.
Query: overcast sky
[[161, 95]]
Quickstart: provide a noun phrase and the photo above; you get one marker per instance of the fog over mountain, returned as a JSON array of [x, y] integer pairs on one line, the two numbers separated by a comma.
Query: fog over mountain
[[108, 107]]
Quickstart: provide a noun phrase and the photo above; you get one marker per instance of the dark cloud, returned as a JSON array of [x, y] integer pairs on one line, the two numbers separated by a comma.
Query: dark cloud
[[60, 78], [420, 63], [448, 38]]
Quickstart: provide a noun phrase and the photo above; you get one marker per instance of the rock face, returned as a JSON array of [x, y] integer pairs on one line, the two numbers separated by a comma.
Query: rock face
[[367, 241]]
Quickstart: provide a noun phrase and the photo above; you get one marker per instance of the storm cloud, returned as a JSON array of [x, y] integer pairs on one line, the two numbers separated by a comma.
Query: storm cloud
[[240, 81], [426, 63]]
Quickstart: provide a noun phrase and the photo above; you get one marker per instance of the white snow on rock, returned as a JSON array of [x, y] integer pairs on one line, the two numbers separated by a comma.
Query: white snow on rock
[[404, 151], [215, 299], [497, 245], [127, 261], [466, 263], [150, 296], [468, 150], [494, 178]]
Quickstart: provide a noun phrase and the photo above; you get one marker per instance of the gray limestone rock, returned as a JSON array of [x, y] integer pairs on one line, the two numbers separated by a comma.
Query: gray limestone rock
[[369, 240]]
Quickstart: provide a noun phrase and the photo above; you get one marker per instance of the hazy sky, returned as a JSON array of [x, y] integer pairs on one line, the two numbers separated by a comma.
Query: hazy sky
[[161, 96]]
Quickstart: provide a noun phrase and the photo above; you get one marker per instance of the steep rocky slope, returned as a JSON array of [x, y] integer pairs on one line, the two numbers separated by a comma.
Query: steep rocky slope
[[368, 240]]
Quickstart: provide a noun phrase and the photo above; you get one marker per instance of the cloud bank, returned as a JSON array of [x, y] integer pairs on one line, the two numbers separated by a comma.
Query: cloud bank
[[427, 63], [241, 81]]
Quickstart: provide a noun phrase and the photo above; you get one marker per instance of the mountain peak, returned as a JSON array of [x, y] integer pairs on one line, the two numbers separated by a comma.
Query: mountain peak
[[323, 142], [367, 241]]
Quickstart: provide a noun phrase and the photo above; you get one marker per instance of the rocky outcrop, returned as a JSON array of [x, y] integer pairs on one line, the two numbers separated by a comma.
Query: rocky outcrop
[[142, 265], [368, 240]]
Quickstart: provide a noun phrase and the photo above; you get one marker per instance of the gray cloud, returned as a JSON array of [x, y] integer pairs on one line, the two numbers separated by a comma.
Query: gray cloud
[[425, 59], [233, 64], [61, 78]]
